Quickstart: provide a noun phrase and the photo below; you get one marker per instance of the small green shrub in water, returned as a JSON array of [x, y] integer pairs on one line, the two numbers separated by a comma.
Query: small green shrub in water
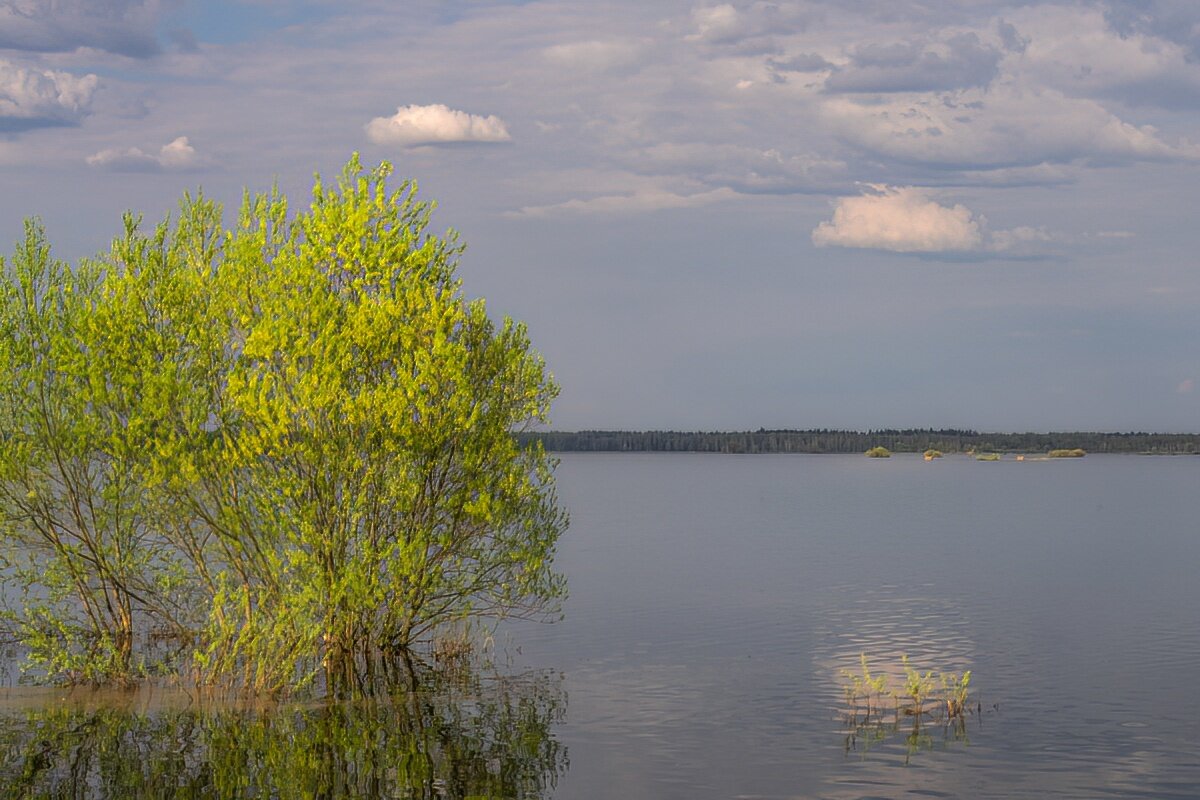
[[931, 454], [863, 685], [917, 690], [955, 691], [918, 687], [1074, 453], [987, 457], [879, 452], [919, 695]]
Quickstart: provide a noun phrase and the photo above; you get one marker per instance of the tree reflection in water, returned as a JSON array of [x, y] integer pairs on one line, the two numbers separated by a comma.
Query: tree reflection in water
[[481, 738], [865, 732]]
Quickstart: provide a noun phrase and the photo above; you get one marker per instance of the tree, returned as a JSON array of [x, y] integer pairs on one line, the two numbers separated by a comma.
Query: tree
[[301, 422], [376, 488]]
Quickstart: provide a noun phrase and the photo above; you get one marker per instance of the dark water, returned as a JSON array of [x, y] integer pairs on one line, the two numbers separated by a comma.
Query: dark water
[[715, 601]]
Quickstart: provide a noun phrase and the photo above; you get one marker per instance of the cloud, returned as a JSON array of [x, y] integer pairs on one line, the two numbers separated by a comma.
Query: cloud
[[124, 27], [900, 219], [959, 61], [718, 23], [414, 125], [801, 62], [31, 98], [1005, 126], [594, 56], [748, 170], [1076, 51], [177, 155], [1015, 238], [1011, 38], [1174, 20], [907, 219], [637, 202], [750, 28]]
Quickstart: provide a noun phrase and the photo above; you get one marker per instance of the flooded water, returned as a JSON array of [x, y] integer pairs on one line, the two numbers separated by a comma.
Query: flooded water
[[715, 603], [717, 599]]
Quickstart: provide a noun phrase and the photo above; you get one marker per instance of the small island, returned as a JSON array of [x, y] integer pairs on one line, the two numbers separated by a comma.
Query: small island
[[879, 452], [1073, 453], [931, 454]]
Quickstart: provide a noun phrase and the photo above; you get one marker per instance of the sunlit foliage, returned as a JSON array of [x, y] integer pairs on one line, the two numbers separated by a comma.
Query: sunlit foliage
[[287, 447]]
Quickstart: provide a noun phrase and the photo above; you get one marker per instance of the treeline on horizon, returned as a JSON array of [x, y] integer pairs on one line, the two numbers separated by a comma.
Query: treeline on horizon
[[948, 440]]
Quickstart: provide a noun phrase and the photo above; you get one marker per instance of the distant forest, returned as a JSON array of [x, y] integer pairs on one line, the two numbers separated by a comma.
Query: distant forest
[[831, 441]]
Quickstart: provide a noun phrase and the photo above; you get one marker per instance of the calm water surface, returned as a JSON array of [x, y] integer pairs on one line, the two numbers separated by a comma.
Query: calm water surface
[[715, 601]]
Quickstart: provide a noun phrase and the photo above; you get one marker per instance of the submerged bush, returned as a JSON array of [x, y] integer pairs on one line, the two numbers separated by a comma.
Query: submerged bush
[[917, 695], [287, 446]]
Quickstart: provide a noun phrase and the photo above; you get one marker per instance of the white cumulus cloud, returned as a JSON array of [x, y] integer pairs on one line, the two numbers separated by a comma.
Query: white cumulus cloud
[[909, 219], [175, 155], [900, 219], [31, 98], [415, 125]]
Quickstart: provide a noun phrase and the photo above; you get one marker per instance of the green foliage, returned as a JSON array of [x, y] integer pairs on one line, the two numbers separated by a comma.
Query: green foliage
[[863, 685], [987, 456], [879, 452], [915, 690], [931, 454], [289, 444], [1070, 453], [918, 687], [867, 722], [955, 690]]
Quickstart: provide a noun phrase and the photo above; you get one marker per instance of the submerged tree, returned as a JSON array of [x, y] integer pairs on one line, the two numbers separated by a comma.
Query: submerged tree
[[299, 426]]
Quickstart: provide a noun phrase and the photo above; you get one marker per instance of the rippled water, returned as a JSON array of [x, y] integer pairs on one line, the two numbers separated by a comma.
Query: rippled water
[[716, 600]]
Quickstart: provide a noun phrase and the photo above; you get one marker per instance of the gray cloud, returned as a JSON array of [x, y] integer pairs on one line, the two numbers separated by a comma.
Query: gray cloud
[[1011, 38], [637, 202], [1079, 52], [124, 27], [1007, 126], [596, 55], [747, 170], [1174, 20], [728, 24], [960, 61], [801, 62]]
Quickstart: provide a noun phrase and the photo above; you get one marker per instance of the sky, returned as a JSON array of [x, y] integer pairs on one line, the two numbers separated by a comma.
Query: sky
[[712, 216]]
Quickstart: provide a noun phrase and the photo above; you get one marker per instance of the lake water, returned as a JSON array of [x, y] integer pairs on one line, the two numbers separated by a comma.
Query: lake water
[[715, 602]]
